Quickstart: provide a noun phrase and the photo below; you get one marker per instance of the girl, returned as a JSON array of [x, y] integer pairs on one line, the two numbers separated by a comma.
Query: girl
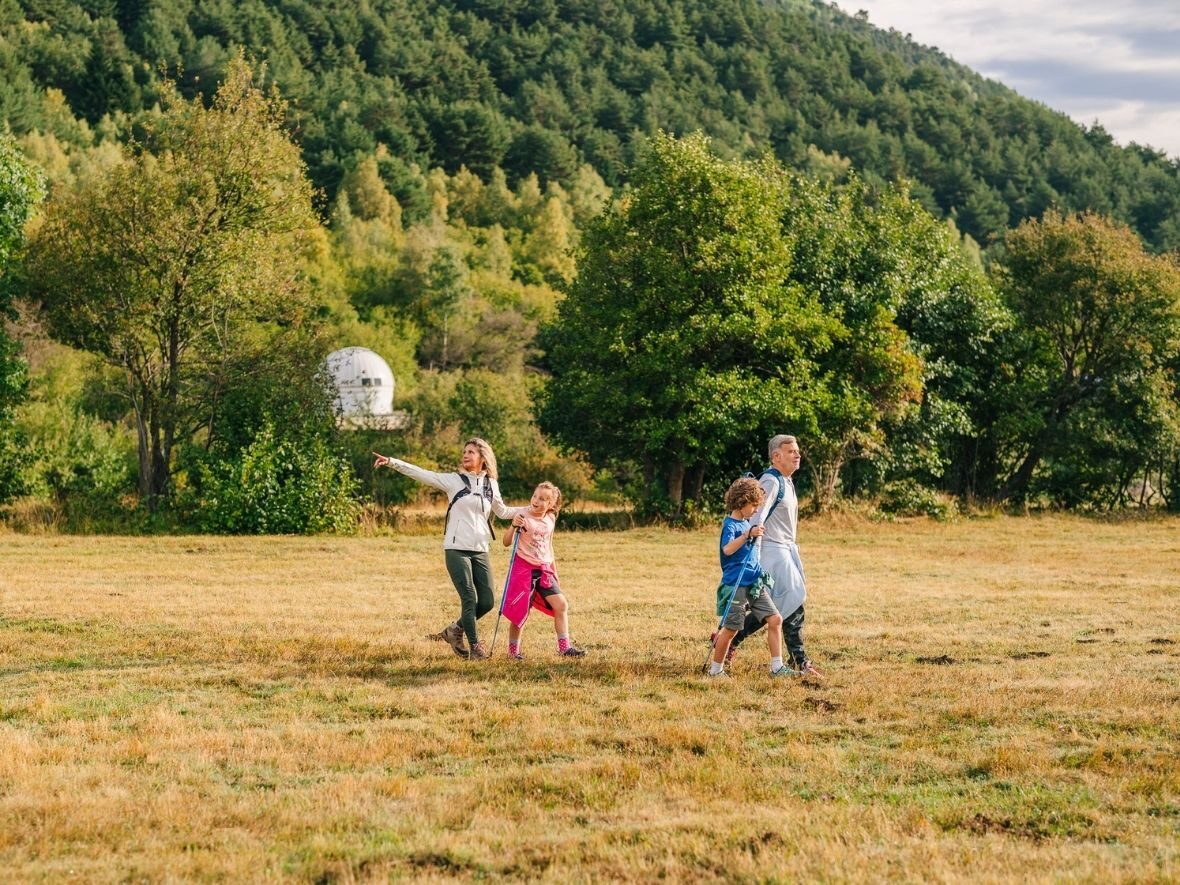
[[533, 579], [474, 496]]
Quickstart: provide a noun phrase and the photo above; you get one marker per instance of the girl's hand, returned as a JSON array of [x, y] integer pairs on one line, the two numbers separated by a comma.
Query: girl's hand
[[381, 461], [518, 521]]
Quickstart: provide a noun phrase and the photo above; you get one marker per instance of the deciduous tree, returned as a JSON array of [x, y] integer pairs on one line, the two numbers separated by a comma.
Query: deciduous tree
[[1100, 321], [163, 264], [21, 189], [680, 333]]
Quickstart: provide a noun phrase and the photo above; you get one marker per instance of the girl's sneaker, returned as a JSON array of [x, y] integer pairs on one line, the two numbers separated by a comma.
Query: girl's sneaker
[[516, 656], [785, 671], [720, 674], [572, 652]]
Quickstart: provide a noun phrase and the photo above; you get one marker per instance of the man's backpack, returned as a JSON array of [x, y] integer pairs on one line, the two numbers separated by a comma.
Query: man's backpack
[[782, 488], [466, 490]]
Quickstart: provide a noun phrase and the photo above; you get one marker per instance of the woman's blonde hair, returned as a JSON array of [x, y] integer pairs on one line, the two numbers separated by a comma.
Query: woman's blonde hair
[[547, 486], [743, 491], [486, 455]]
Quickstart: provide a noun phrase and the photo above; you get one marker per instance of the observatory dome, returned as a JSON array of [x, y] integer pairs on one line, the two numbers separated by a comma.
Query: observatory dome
[[364, 382]]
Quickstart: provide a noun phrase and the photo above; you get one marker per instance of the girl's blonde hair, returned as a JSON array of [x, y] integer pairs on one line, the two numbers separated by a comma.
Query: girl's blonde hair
[[743, 491], [486, 455], [547, 486]]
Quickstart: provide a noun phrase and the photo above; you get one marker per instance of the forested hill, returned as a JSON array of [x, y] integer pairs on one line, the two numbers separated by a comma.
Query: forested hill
[[547, 85]]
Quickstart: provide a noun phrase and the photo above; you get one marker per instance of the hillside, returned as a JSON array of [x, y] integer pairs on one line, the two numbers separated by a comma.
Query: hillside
[[545, 86]]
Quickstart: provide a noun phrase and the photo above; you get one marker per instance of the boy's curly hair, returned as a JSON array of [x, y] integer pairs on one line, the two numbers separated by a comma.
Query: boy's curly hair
[[743, 491]]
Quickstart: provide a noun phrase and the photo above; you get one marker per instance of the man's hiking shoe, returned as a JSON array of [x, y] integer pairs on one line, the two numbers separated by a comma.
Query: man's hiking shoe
[[785, 671], [478, 652], [572, 652], [810, 671]]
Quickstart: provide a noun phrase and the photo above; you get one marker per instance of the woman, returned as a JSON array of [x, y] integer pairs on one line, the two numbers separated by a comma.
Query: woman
[[474, 495]]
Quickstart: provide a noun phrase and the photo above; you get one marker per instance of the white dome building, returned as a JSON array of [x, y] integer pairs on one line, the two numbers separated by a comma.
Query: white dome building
[[364, 387]]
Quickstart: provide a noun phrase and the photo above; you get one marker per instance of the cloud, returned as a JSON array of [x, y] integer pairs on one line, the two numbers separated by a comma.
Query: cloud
[[1091, 59]]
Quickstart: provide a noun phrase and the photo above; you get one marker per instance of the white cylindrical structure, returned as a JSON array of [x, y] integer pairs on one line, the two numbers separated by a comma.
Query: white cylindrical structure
[[364, 383]]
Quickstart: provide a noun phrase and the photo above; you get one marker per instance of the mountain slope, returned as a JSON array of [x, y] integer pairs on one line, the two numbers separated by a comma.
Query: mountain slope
[[542, 85]]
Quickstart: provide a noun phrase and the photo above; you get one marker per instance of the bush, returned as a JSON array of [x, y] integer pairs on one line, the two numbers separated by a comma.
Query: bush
[[908, 498], [73, 459], [275, 486]]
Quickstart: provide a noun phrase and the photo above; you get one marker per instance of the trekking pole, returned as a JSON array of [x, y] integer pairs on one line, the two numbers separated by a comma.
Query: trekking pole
[[732, 596], [504, 594]]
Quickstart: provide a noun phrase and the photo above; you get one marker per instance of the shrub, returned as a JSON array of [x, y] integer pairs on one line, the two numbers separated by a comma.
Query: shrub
[[275, 485], [908, 498]]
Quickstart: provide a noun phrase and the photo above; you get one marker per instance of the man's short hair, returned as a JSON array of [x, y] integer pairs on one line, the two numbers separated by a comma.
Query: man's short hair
[[777, 442]]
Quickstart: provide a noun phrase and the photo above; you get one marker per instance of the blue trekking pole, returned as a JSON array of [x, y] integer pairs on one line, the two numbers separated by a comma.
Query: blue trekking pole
[[504, 594], [732, 596]]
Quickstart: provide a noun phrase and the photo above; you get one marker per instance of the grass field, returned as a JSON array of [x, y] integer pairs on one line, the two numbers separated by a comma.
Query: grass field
[[1002, 705]]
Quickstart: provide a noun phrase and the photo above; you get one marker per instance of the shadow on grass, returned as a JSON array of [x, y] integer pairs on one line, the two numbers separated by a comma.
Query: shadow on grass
[[47, 645]]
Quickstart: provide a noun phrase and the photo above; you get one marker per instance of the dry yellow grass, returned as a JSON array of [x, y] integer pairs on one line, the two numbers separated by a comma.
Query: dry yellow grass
[[1001, 706]]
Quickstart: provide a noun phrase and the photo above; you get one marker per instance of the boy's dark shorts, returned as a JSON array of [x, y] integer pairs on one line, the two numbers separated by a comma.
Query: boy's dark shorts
[[761, 608]]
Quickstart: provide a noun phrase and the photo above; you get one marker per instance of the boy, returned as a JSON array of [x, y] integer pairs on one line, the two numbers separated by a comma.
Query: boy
[[743, 578], [779, 515]]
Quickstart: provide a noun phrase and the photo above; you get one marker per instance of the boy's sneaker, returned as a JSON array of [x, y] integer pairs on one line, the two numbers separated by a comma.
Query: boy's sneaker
[[572, 652], [809, 669], [785, 671]]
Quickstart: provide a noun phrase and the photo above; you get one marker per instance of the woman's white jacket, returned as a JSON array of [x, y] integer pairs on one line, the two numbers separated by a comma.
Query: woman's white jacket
[[467, 526]]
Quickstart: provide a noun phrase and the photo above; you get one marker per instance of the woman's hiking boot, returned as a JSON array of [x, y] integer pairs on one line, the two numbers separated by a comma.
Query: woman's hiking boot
[[478, 651], [452, 635]]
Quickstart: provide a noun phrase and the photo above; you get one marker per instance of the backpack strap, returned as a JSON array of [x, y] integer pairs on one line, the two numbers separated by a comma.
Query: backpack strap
[[782, 490], [488, 496], [466, 490]]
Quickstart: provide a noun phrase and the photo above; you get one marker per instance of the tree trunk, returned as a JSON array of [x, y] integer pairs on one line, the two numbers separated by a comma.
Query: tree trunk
[[825, 477], [158, 470], [141, 434], [1017, 485], [675, 487], [694, 482]]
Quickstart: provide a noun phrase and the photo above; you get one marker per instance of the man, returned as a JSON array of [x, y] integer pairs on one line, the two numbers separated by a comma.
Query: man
[[779, 516]]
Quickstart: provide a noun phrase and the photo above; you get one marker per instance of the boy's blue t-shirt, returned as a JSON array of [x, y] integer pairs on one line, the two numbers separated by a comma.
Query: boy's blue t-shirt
[[731, 566]]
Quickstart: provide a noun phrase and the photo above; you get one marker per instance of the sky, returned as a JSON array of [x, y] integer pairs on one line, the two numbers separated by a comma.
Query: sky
[[1114, 61]]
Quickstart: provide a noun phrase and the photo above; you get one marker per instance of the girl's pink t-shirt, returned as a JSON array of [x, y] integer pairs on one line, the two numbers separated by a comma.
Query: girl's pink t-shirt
[[536, 544]]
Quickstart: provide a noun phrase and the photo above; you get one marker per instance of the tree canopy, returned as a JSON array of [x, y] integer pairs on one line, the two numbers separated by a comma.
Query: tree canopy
[[718, 303]]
